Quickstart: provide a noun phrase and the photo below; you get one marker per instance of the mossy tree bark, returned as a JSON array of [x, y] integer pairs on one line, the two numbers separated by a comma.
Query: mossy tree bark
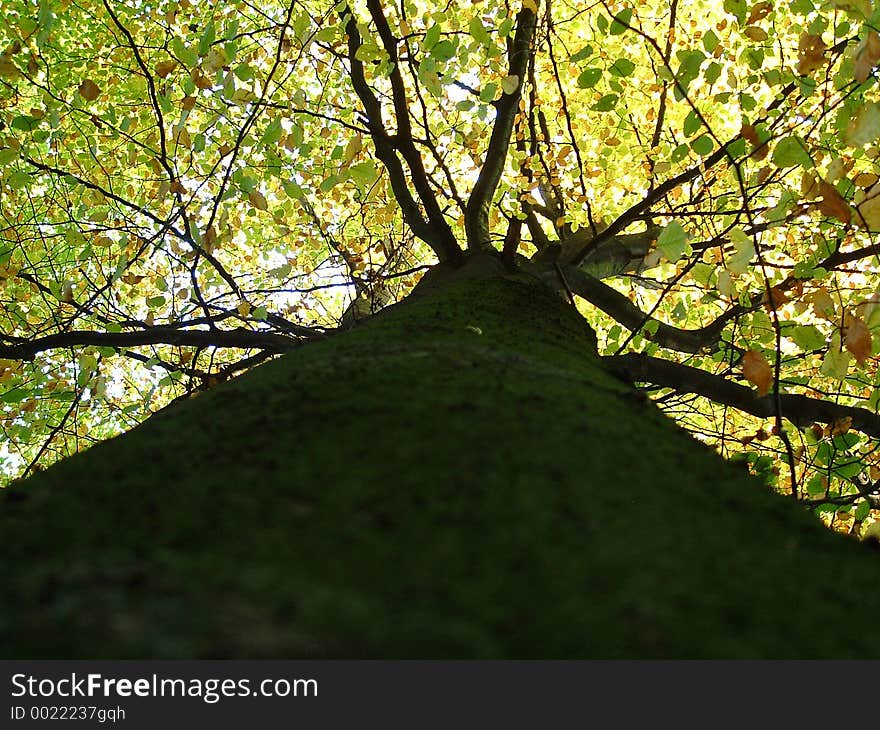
[[457, 477]]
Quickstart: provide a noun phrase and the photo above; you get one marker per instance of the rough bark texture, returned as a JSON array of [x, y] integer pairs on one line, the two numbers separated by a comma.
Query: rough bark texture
[[458, 477]]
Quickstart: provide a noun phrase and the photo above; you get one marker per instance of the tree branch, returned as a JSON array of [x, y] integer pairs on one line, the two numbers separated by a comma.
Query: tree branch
[[403, 140], [439, 237], [480, 200], [622, 310], [801, 410], [239, 338]]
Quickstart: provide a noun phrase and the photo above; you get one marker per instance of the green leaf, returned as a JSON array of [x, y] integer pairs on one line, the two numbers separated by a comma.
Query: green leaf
[[864, 127], [737, 8], [688, 70], [713, 72], [791, 152], [88, 363], [18, 180], [807, 337], [836, 361], [703, 145], [16, 395], [432, 37], [589, 77], [673, 242], [45, 21], [606, 103], [692, 123], [510, 84], [443, 51], [815, 486], [188, 56], [478, 31], [710, 41], [743, 251], [328, 184], [620, 22], [7, 155], [622, 67], [25, 123], [582, 54], [272, 133], [488, 92], [364, 173], [207, 39]]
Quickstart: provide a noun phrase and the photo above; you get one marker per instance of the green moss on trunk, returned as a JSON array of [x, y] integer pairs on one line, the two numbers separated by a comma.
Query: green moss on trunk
[[458, 477]]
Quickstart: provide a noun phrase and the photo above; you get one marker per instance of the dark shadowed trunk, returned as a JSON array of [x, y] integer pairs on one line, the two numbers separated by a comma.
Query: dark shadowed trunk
[[457, 477]]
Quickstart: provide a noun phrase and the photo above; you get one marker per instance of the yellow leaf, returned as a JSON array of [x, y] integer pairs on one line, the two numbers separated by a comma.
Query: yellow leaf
[[823, 304], [755, 34], [864, 127], [89, 90], [215, 60], [8, 70], [757, 371], [244, 309], [869, 209]]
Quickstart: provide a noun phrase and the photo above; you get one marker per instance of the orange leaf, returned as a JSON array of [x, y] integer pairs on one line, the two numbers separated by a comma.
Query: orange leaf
[[833, 204], [777, 297], [759, 12], [750, 134], [163, 68], [200, 80], [89, 90], [757, 371], [857, 339], [811, 53]]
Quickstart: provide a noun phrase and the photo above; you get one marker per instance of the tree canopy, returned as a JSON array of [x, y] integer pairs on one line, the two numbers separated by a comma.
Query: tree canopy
[[189, 190]]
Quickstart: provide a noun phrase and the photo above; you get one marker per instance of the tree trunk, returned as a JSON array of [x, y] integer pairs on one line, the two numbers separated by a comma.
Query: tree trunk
[[457, 477]]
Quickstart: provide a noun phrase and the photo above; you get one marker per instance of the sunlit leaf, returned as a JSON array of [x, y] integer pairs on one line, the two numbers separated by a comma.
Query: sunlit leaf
[[791, 152], [673, 241], [757, 371]]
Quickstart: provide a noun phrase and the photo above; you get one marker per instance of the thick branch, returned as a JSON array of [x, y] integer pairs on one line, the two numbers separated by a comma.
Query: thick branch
[[622, 310], [240, 338], [801, 410], [480, 200], [441, 241], [403, 140]]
